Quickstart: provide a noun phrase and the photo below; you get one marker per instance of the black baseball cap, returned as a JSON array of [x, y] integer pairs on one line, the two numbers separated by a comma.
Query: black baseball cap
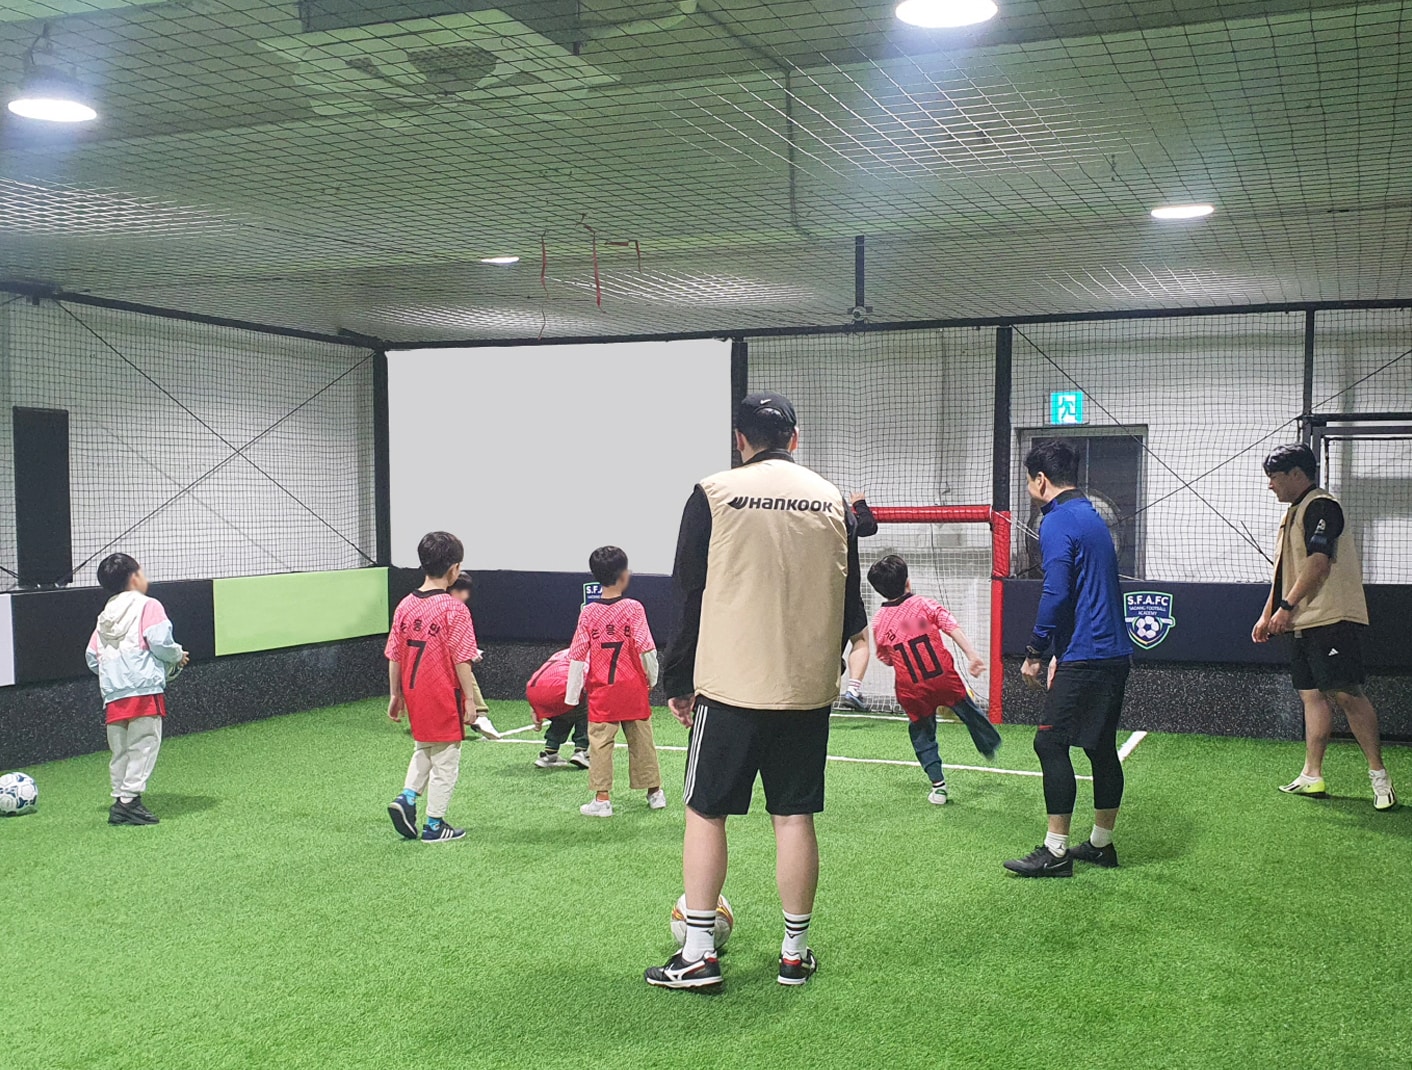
[[765, 412]]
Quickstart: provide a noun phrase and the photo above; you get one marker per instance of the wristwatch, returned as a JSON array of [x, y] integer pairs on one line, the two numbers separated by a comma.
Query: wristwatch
[[1285, 606], [1033, 654]]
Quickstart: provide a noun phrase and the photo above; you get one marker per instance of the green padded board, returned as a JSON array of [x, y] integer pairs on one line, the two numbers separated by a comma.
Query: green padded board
[[298, 608]]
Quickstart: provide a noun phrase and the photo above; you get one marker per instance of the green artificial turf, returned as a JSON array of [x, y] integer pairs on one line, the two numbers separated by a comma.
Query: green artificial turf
[[273, 919]]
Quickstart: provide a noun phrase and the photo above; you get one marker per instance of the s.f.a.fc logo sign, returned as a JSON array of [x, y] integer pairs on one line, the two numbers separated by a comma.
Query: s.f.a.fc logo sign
[[1149, 617]]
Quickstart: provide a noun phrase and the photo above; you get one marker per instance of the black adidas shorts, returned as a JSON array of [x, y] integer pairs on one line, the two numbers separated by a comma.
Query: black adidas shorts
[[729, 747], [1329, 658]]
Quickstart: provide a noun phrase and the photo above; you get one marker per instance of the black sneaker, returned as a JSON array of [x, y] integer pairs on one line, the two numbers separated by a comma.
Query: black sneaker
[[851, 701], [1107, 857], [118, 815], [443, 833], [678, 973], [1041, 863], [404, 817], [139, 814], [797, 971]]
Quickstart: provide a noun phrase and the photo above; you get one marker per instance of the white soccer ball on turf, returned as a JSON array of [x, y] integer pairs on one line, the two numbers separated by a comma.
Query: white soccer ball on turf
[[19, 794], [725, 922]]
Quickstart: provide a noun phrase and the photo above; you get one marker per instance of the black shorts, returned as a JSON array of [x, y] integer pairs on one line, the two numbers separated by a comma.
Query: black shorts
[[1083, 706], [729, 746], [1328, 658]]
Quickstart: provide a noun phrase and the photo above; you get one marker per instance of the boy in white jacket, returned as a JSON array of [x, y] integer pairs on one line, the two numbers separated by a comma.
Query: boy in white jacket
[[134, 655]]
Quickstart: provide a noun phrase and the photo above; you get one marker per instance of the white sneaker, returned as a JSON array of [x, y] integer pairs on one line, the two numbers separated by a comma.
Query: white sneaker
[[1384, 798], [579, 758], [551, 760], [597, 808], [657, 800], [937, 795], [482, 725]]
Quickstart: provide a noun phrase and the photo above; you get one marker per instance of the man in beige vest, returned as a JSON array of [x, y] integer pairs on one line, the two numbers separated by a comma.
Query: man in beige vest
[[767, 569], [1317, 595]]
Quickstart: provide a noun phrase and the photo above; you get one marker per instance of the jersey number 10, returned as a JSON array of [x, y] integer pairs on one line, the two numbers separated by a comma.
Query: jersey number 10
[[922, 652]]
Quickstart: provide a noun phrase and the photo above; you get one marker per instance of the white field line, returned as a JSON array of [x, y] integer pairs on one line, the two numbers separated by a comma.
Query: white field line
[[832, 758], [1130, 745], [888, 717], [516, 731]]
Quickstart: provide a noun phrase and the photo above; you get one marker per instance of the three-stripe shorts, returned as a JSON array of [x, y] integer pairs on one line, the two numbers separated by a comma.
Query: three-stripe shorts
[[730, 746]]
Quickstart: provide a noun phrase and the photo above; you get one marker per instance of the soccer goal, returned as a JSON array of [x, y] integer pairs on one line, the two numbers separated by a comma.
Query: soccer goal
[[959, 555]]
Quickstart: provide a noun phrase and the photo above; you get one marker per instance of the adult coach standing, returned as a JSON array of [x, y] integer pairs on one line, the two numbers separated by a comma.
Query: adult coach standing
[[1318, 595], [767, 567], [1081, 619]]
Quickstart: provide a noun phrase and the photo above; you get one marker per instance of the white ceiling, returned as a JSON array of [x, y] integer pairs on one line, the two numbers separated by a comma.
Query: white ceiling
[[351, 179]]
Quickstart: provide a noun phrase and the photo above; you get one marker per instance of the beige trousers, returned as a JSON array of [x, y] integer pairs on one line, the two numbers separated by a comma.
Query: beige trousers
[[433, 773], [134, 744], [478, 705], [643, 770]]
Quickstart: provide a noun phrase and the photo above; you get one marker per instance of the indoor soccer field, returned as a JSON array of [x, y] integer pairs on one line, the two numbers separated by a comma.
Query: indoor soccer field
[[277, 920]]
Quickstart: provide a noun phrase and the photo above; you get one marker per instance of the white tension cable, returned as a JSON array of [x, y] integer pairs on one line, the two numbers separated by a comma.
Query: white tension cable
[[535, 455]]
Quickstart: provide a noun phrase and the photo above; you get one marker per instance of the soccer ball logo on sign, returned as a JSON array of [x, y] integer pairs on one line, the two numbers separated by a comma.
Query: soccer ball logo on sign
[[1149, 617]]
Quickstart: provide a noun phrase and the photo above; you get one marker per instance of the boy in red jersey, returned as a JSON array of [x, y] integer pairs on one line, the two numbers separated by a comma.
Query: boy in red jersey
[[545, 694], [907, 631], [429, 653], [614, 660]]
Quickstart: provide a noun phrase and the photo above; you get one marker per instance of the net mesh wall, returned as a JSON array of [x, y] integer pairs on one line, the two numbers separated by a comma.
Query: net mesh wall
[[906, 418], [1179, 414], [202, 451]]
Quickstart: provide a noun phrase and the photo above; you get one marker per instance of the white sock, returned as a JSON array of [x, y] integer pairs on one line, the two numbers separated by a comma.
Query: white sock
[[1100, 836], [1057, 843], [796, 935], [855, 687], [700, 935]]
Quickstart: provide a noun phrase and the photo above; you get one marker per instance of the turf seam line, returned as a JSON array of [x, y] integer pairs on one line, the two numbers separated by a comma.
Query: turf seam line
[[838, 758]]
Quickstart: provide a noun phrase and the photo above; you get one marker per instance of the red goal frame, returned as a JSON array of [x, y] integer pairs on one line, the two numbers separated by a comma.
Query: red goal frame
[[999, 523]]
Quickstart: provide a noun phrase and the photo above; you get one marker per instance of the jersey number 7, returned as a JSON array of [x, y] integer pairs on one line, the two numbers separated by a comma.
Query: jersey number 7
[[617, 649], [420, 646]]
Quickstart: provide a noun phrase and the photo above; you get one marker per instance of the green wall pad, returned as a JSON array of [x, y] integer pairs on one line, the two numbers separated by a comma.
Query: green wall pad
[[267, 612]]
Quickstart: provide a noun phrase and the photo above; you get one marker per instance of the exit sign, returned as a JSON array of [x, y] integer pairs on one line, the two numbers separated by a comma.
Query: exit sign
[[1066, 407]]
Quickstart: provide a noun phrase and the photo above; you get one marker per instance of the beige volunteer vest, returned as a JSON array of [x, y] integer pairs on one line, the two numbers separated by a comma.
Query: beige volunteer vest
[[1341, 596], [772, 611]]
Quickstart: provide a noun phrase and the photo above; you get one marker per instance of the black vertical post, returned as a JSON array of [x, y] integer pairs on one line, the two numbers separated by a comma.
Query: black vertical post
[[43, 527], [1000, 443], [740, 386], [1307, 428], [382, 474], [859, 264]]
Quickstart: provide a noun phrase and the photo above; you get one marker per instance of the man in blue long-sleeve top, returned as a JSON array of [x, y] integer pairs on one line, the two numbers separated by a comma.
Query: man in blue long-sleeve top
[[1080, 620]]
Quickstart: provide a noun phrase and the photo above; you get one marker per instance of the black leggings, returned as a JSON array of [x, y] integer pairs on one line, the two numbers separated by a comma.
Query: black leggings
[[1061, 789]]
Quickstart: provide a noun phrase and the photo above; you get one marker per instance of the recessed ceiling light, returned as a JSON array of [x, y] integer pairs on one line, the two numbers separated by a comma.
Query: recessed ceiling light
[[945, 14], [1182, 211], [502, 260], [53, 97]]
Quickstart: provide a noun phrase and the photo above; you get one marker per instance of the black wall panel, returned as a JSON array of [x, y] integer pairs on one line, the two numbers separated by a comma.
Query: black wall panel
[[52, 628], [43, 534]]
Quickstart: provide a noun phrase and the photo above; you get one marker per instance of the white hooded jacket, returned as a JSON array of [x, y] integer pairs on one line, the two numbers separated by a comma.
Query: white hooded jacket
[[132, 649]]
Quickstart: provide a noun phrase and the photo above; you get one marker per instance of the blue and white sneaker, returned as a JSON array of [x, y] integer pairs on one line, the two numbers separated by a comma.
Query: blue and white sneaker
[[403, 812], [678, 973], [851, 700], [441, 833]]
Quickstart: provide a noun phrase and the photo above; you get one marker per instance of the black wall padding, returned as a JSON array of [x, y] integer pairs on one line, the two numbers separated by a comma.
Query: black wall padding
[[1214, 622], [543, 607], [46, 722], [43, 534], [52, 628]]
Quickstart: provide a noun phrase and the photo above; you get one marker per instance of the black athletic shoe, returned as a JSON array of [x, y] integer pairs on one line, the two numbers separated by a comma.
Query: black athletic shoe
[[1107, 857], [118, 815], [850, 700], [404, 817], [1041, 863], [443, 833], [139, 814], [797, 971], [678, 973]]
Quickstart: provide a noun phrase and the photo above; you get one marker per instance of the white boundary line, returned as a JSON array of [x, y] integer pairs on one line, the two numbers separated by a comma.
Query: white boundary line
[[832, 758], [887, 717], [516, 731], [1130, 745]]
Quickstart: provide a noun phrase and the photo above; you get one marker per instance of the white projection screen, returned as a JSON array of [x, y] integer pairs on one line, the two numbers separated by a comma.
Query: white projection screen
[[534, 455]]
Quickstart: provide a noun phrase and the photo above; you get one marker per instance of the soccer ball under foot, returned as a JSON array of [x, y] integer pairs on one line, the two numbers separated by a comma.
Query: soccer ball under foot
[[725, 922], [19, 794]]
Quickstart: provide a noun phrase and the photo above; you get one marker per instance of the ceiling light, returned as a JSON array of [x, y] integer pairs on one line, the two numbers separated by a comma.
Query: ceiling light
[[945, 14], [52, 96], [1182, 211], [501, 260]]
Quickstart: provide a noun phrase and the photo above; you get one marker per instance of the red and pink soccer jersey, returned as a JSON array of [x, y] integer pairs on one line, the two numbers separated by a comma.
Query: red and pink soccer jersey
[[907, 634], [611, 638], [431, 634], [545, 690]]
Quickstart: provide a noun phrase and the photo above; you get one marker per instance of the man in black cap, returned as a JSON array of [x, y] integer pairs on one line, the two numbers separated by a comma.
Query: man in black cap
[[767, 566]]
